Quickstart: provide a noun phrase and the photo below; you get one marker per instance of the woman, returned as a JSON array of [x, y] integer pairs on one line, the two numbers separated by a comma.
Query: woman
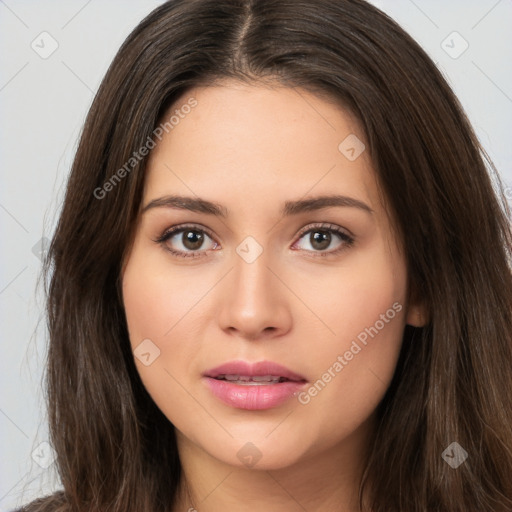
[[281, 276]]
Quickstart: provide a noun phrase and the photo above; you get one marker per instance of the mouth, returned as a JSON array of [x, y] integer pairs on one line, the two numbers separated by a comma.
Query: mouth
[[253, 374], [256, 380], [253, 386]]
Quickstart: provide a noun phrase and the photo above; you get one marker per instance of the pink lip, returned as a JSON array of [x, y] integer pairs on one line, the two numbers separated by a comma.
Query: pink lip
[[253, 369], [255, 397]]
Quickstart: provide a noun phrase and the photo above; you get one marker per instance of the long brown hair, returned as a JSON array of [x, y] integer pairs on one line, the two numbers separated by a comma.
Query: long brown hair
[[115, 450]]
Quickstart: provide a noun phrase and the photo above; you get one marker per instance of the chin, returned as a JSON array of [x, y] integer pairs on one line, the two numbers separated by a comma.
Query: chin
[[257, 453]]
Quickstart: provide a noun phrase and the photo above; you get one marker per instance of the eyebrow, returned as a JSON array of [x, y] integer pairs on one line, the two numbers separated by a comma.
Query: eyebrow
[[196, 204]]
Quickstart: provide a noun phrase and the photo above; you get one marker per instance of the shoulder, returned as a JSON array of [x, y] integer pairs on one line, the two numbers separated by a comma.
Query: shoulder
[[56, 502]]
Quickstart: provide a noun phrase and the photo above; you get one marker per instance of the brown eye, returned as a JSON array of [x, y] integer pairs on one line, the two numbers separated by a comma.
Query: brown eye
[[320, 240], [192, 239], [324, 240], [184, 241]]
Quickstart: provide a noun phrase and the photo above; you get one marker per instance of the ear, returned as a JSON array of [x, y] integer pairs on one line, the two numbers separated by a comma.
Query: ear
[[417, 311]]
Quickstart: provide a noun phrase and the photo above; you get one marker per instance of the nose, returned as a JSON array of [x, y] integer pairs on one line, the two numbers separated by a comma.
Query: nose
[[254, 301]]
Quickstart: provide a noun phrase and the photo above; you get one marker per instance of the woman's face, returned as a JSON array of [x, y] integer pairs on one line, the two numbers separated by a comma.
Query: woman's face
[[283, 255]]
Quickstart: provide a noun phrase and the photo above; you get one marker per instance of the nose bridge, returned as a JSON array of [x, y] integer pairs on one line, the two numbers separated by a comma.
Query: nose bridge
[[253, 301], [252, 278], [252, 287]]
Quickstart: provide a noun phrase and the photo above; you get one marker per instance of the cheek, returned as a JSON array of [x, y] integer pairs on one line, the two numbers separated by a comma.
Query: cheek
[[363, 306], [158, 296], [159, 305], [158, 301], [351, 297]]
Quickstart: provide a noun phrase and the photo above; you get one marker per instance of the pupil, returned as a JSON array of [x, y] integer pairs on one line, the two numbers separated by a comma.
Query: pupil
[[320, 239], [192, 239]]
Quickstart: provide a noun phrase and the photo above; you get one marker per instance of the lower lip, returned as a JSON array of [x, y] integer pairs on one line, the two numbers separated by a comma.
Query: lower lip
[[255, 397]]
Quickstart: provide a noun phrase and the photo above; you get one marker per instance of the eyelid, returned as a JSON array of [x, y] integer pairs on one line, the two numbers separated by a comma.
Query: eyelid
[[181, 227], [325, 226]]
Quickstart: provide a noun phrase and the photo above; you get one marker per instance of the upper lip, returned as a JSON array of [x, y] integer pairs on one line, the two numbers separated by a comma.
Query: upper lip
[[258, 369]]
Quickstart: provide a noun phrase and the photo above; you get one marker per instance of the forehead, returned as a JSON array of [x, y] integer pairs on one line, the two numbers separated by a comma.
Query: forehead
[[257, 141]]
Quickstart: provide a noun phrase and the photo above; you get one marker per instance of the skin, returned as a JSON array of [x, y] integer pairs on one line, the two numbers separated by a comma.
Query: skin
[[250, 148]]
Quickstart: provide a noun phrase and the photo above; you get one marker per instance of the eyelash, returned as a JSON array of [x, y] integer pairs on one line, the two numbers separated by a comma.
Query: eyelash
[[347, 240]]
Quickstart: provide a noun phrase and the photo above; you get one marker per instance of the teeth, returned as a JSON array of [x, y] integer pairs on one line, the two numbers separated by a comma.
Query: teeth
[[265, 378], [252, 381]]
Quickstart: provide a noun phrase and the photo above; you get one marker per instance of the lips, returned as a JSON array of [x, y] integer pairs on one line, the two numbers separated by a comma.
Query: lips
[[256, 380], [243, 372], [255, 386]]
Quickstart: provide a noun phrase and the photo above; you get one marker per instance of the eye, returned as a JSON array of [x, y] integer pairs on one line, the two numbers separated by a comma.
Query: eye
[[187, 241], [322, 237], [191, 241]]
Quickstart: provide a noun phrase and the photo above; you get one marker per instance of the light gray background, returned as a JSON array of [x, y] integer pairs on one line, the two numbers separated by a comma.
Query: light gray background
[[43, 103]]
